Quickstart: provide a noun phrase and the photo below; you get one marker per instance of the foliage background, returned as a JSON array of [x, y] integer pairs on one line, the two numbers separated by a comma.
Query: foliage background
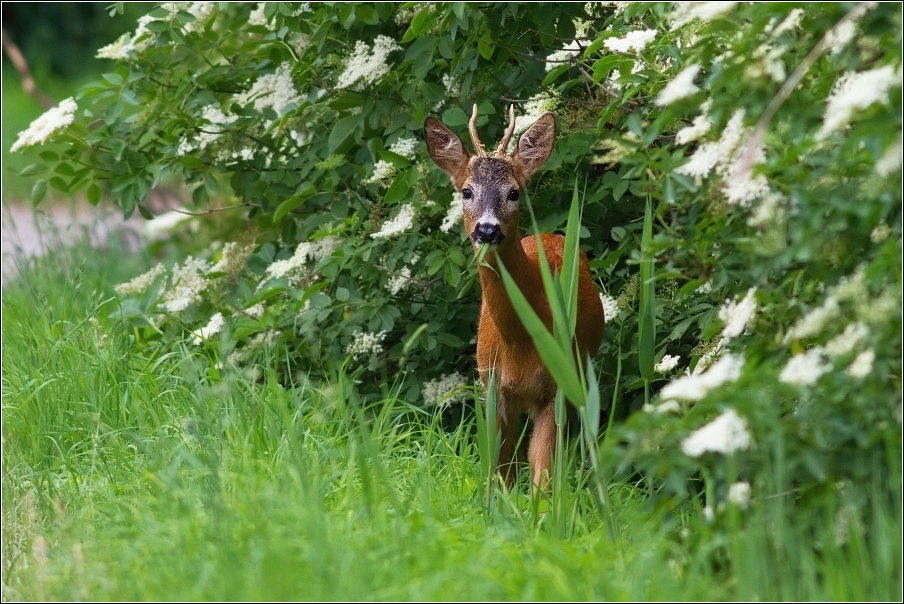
[[813, 235]]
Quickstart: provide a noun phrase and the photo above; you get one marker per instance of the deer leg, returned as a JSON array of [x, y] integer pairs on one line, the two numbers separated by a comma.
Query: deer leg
[[507, 423], [542, 443]]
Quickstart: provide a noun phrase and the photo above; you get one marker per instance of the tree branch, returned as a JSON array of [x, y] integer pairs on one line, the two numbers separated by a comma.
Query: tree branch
[[28, 82]]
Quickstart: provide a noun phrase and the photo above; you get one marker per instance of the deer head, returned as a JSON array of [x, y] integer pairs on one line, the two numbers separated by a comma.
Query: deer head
[[491, 186]]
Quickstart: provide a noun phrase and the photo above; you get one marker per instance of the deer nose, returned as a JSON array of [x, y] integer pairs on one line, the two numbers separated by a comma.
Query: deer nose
[[487, 232]]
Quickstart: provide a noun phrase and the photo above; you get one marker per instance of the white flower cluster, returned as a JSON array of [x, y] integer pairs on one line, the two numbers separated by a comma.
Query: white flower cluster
[[306, 251], [862, 365], [188, 281], [736, 315], [739, 494], [791, 21], [856, 91], [681, 86], [400, 281], [366, 66], [725, 434], [273, 90], [667, 363], [212, 328], [455, 214], [383, 172], [847, 341], [443, 392], [365, 342], [891, 159], [43, 128], [728, 157], [684, 12], [767, 62], [695, 387], [812, 323], [805, 369], [533, 109], [399, 224], [127, 45], [207, 134], [610, 306], [565, 55], [406, 147], [634, 41], [258, 15], [839, 36], [141, 283], [233, 257], [698, 127]]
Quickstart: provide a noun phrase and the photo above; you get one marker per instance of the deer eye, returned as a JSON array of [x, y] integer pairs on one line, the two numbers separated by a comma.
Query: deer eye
[[513, 195], [467, 193]]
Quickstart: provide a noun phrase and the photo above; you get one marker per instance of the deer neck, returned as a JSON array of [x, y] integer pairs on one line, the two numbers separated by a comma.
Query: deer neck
[[496, 301]]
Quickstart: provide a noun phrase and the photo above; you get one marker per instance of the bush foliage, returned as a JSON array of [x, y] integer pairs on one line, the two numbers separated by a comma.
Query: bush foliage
[[766, 138]]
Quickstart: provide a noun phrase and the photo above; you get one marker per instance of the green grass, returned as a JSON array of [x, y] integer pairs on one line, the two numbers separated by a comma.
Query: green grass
[[129, 475]]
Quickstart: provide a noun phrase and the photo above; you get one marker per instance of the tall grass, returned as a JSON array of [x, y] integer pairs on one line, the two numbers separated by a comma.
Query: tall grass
[[136, 476]]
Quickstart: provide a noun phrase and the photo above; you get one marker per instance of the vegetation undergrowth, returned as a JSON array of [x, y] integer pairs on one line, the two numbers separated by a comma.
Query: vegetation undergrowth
[[137, 476]]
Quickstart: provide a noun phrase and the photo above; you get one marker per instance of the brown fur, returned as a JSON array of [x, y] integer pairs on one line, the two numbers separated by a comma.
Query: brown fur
[[523, 384]]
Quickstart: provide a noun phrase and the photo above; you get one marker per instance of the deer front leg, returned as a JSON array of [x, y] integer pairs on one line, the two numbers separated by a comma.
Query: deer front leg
[[542, 444], [507, 424]]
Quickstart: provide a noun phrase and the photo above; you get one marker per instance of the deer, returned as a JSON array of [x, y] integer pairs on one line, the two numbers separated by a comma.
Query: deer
[[490, 187]]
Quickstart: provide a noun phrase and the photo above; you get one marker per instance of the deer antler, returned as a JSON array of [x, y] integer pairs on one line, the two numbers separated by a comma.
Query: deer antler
[[503, 144], [472, 128]]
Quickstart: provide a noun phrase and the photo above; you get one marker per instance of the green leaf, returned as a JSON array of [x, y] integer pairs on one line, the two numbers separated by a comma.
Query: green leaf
[[397, 191], [485, 45], [559, 362], [145, 213], [38, 191], [366, 14], [93, 193], [33, 169], [293, 202], [418, 26], [341, 131]]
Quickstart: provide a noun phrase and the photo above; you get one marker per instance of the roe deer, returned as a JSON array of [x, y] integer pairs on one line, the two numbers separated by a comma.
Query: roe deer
[[490, 188]]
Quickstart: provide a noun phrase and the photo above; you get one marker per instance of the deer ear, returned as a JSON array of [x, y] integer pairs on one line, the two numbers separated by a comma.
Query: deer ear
[[445, 148], [535, 145]]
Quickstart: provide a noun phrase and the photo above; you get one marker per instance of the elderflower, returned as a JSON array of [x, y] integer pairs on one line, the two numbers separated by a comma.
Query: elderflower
[[258, 15], [805, 369], [891, 159], [791, 21], [725, 434], [736, 315], [400, 281], [697, 386], [862, 364], [857, 91], [684, 12], [406, 147], [454, 215], [739, 494], [610, 306], [401, 223], [315, 251], [715, 155], [383, 171], [568, 52], [212, 328], [365, 66], [844, 343], [839, 36], [273, 90], [365, 342], [233, 257], [698, 128], [667, 363], [43, 128], [681, 86], [812, 323], [188, 281], [141, 283], [635, 40], [443, 392]]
